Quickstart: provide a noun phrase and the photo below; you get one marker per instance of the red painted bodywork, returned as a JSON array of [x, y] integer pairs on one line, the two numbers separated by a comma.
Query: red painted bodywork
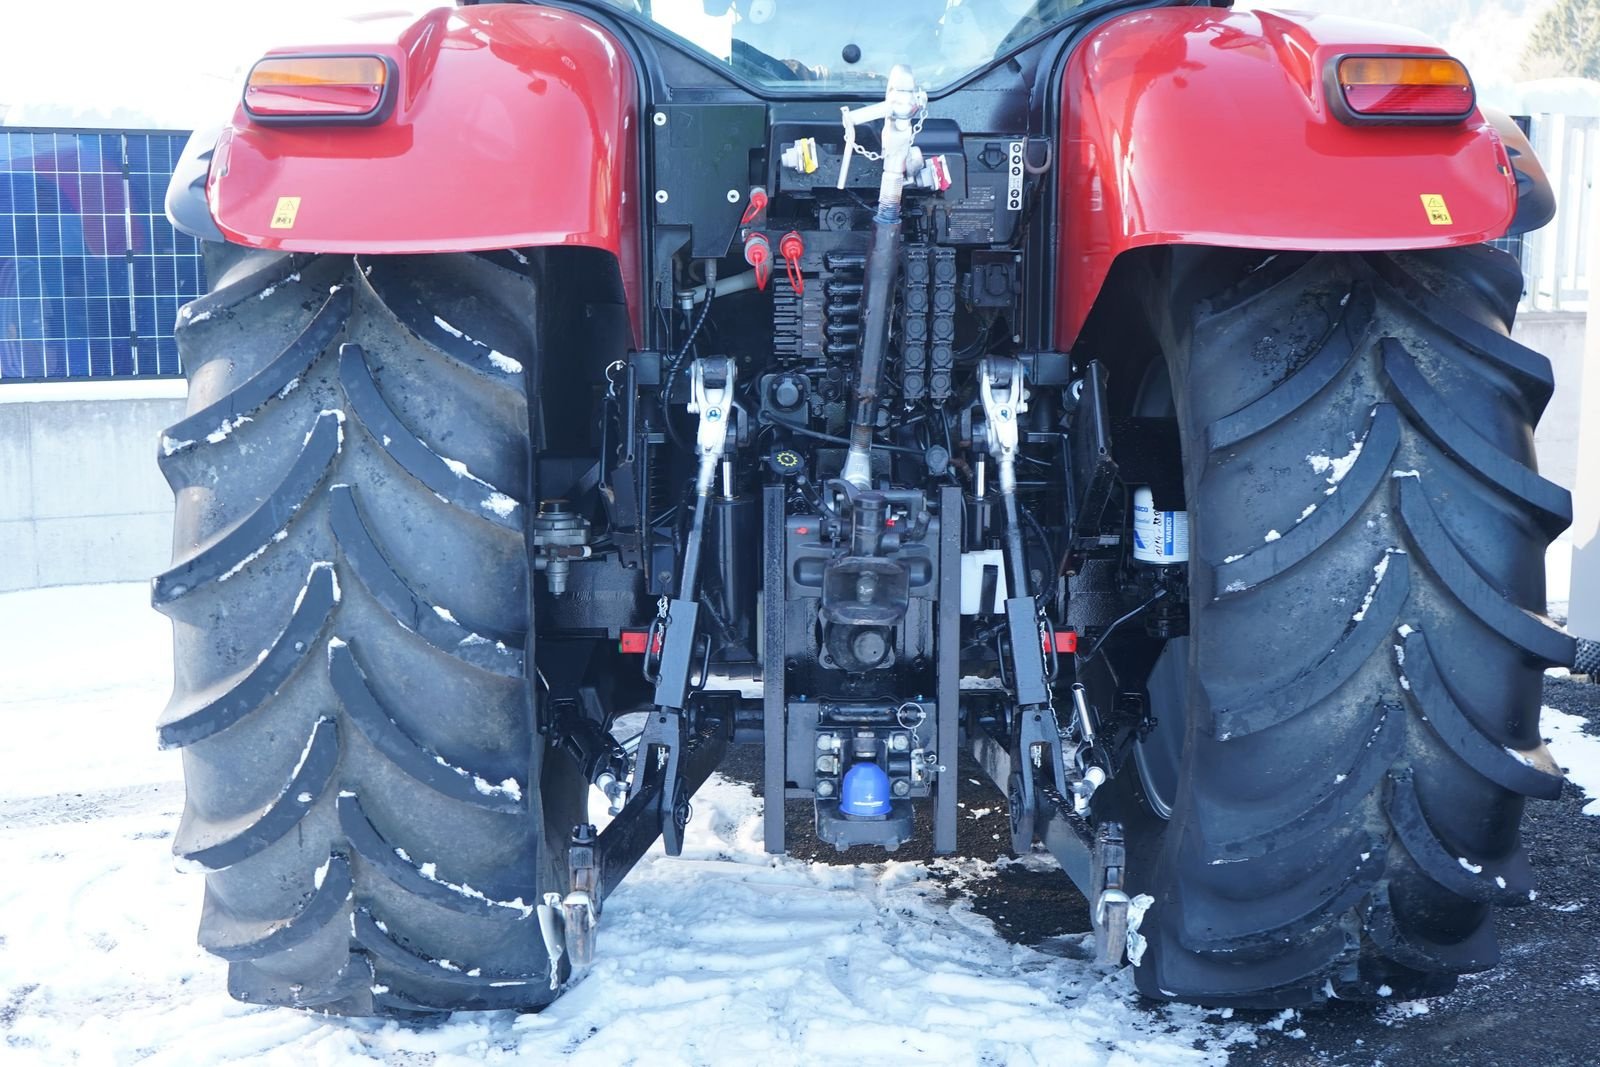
[[515, 126], [1200, 126]]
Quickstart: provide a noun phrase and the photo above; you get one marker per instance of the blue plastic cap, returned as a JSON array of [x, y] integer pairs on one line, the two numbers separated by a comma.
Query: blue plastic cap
[[865, 792]]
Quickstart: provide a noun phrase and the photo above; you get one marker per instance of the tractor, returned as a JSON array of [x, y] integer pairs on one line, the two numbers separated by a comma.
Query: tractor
[[1118, 394]]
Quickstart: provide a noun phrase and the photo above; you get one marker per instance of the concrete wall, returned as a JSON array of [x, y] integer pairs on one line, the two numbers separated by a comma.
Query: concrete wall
[[81, 499], [1560, 336]]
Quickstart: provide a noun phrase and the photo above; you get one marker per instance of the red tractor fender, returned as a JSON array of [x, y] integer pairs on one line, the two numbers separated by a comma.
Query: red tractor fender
[[514, 126], [1201, 126]]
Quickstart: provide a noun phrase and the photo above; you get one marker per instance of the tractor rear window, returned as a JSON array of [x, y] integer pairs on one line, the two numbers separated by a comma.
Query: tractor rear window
[[844, 45]]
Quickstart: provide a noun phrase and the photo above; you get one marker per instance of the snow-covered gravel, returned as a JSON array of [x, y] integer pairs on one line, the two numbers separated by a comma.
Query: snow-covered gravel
[[726, 955], [1575, 751]]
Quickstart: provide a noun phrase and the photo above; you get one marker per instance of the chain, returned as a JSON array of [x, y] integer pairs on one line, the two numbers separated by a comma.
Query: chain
[[916, 129]]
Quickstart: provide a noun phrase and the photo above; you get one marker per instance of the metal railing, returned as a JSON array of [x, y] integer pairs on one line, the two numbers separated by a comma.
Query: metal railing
[[1556, 259]]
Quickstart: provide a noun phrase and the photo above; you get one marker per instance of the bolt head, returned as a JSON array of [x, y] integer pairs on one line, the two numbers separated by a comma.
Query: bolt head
[[824, 788], [901, 787], [900, 742]]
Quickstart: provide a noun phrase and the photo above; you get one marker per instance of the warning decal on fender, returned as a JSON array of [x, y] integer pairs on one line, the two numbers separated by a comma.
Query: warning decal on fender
[[288, 207], [1438, 211]]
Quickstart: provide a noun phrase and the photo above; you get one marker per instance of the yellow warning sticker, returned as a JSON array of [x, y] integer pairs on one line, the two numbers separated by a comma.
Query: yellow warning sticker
[[288, 207], [1438, 211]]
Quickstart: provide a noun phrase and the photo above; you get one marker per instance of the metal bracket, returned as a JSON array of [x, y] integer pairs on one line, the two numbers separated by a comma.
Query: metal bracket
[[1109, 895], [674, 667], [1039, 803], [1028, 673], [774, 676], [711, 397], [1001, 395], [580, 909], [655, 768], [1035, 755]]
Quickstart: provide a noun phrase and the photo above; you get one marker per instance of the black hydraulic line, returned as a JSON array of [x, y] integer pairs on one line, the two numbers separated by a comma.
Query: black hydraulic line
[[817, 435], [1109, 630]]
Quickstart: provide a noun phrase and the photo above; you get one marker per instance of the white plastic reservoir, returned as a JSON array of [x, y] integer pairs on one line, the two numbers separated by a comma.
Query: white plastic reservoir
[[1160, 537]]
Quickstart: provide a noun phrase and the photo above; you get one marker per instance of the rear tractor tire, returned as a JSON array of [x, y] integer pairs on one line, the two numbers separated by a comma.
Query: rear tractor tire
[[366, 788], [1359, 695]]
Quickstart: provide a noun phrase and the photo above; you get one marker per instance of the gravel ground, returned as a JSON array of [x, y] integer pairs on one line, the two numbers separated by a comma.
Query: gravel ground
[[1541, 1006]]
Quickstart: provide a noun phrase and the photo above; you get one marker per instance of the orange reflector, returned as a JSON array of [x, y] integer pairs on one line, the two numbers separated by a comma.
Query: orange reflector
[[318, 87], [1418, 87]]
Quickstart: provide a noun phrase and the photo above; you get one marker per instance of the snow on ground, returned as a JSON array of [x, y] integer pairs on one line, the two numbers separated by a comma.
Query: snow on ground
[[1575, 751], [726, 955]]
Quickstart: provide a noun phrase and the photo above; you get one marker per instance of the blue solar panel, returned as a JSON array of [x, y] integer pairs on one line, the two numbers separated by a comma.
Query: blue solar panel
[[91, 272]]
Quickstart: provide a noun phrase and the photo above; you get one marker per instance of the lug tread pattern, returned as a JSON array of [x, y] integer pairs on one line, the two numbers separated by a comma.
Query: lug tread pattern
[[237, 941], [1256, 829], [499, 653], [1339, 349], [1219, 926], [414, 877], [230, 551], [282, 465], [1531, 373], [449, 480], [396, 289], [1503, 880], [1530, 631], [196, 715], [461, 989], [1355, 648], [1551, 504], [256, 276], [1477, 952], [1530, 773], [217, 844], [277, 379], [1275, 886], [405, 752], [1237, 574]]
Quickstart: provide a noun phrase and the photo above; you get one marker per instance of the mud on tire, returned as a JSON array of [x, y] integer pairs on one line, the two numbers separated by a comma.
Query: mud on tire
[[1368, 630], [366, 788]]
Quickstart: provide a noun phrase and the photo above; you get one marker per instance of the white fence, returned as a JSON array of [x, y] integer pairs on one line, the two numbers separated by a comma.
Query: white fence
[[1556, 258]]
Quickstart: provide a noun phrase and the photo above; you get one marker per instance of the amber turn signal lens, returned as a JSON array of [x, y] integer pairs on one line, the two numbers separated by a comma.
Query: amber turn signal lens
[[309, 87], [1422, 87]]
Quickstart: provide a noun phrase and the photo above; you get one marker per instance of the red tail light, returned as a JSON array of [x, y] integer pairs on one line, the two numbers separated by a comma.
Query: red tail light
[[1403, 89], [313, 89]]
